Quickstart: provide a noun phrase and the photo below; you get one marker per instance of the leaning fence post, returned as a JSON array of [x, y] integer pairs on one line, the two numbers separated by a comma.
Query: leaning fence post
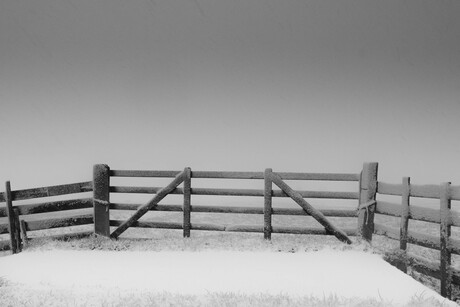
[[367, 192], [101, 199], [446, 283], [404, 224], [187, 201], [268, 204], [15, 237]]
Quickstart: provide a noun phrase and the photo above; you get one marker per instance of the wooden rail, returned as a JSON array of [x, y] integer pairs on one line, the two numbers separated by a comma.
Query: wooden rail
[[236, 192], [236, 210], [238, 175], [49, 191], [444, 216], [232, 228], [45, 207], [417, 190], [18, 227]]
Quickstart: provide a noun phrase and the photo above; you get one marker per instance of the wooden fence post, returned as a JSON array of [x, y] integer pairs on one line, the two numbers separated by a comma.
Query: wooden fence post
[[367, 192], [268, 204], [101, 199], [187, 201], [404, 224], [25, 239], [13, 221], [446, 282]]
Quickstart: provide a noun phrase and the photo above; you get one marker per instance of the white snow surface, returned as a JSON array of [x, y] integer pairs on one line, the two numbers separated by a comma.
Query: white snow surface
[[347, 274]]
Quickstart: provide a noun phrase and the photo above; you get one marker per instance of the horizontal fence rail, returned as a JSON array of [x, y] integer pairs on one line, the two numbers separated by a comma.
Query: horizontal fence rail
[[59, 205], [234, 209], [231, 228], [416, 213], [235, 192], [237, 175], [56, 190], [417, 190]]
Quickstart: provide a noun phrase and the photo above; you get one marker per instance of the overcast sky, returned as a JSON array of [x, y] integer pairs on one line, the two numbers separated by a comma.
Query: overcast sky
[[308, 86]]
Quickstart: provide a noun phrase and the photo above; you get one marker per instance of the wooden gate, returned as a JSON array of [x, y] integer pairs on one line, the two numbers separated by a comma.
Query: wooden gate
[[270, 178], [365, 195], [183, 176]]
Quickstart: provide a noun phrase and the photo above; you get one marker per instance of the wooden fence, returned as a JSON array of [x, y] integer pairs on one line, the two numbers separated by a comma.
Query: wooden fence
[[366, 196], [20, 217], [103, 204], [443, 216]]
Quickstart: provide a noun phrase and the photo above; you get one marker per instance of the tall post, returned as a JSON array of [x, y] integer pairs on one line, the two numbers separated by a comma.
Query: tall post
[[187, 201], [445, 228], [268, 204], [101, 199], [404, 223], [13, 218], [367, 192]]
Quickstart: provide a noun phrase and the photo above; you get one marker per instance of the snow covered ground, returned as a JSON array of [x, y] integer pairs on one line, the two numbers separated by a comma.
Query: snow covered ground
[[347, 274]]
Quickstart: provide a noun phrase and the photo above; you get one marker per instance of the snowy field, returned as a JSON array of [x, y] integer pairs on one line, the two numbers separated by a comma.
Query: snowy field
[[77, 277]]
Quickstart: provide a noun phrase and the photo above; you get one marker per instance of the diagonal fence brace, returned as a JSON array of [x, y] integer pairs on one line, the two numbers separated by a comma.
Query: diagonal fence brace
[[145, 208], [276, 179]]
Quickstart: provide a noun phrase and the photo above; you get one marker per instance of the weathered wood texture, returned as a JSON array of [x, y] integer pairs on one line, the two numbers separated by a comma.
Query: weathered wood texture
[[367, 192], [13, 221], [424, 266], [417, 190], [232, 228], [57, 222], [416, 213], [417, 238], [454, 192], [17, 233], [52, 206], [404, 226], [236, 192], [236, 210], [187, 201], [56, 190], [389, 188], [145, 208], [445, 231], [25, 239], [101, 199], [141, 173], [239, 175], [267, 204], [297, 197]]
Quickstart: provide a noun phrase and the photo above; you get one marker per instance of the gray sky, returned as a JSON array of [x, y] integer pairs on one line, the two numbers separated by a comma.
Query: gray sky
[[305, 86]]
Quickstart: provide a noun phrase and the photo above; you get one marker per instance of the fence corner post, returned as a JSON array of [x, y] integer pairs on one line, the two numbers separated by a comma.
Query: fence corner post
[[367, 192], [268, 204], [187, 202], [101, 199], [445, 229], [13, 218]]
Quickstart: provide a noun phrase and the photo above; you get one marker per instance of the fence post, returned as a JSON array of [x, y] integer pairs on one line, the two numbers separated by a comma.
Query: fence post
[[446, 283], [404, 224], [13, 221], [25, 239], [187, 201], [268, 204], [101, 199], [367, 192]]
